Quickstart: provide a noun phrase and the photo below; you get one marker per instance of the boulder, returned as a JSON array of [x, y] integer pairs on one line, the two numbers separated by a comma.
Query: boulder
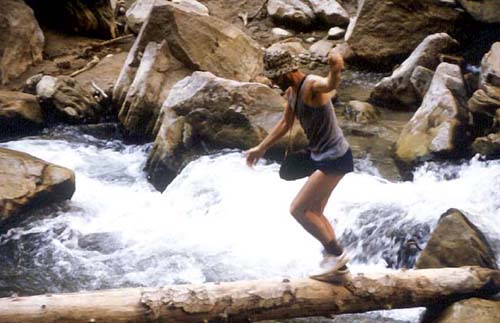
[[397, 90], [475, 310], [385, 31], [329, 12], [321, 48], [27, 182], [483, 10], [204, 113], [490, 67], [21, 39], [488, 146], [64, 98], [336, 33], [485, 101], [456, 242], [439, 126], [280, 32], [188, 38], [361, 112], [20, 113], [294, 12], [139, 11], [294, 47]]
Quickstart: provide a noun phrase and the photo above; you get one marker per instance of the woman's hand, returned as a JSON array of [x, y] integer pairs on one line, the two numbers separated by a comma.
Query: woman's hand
[[253, 155], [335, 61]]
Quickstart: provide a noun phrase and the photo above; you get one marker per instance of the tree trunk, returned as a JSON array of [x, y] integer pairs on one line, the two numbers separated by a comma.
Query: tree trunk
[[247, 301]]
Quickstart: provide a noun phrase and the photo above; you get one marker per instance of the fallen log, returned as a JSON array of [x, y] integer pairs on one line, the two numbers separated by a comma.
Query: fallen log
[[248, 301]]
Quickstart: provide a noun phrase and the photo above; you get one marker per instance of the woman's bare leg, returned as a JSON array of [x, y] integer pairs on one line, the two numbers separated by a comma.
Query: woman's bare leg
[[308, 206]]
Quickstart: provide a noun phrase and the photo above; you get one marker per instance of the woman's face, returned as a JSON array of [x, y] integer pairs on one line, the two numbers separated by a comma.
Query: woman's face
[[283, 81]]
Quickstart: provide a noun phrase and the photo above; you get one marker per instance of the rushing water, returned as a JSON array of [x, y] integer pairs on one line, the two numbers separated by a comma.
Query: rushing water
[[218, 221]]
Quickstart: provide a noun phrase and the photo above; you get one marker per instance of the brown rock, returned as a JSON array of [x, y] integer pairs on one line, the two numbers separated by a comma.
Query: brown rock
[[21, 39], [488, 146], [490, 67], [361, 112], [485, 102], [421, 79], [66, 99], [20, 113], [385, 31], [475, 310], [27, 182], [456, 242]]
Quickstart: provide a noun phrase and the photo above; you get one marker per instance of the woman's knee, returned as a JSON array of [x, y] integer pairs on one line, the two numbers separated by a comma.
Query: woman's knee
[[297, 210]]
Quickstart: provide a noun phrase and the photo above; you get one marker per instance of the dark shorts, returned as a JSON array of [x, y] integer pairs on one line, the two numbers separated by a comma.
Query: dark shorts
[[300, 164]]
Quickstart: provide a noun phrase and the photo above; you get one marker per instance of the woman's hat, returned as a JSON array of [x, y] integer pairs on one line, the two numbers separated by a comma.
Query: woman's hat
[[278, 62]]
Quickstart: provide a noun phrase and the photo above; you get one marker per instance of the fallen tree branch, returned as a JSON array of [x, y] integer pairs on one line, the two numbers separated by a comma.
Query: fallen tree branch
[[258, 11], [248, 301], [87, 67], [108, 42]]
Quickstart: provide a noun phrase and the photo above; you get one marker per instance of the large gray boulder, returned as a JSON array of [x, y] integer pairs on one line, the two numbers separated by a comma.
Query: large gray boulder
[[20, 113], [140, 9], [21, 39], [180, 41], [27, 182], [439, 126], [204, 113], [456, 242], [294, 12], [385, 31], [329, 12], [397, 90], [157, 73], [483, 10]]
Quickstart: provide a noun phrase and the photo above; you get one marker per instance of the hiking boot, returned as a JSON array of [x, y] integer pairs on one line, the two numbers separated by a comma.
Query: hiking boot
[[336, 269], [334, 263]]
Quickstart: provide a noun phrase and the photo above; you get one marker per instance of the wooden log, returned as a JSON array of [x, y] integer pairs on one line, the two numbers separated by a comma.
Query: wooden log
[[247, 301]]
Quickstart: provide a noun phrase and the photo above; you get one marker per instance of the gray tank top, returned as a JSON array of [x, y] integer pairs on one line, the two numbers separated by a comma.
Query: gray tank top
[[326, 139]]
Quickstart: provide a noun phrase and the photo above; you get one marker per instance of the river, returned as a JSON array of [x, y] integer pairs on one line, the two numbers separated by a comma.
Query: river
[[219, 220]]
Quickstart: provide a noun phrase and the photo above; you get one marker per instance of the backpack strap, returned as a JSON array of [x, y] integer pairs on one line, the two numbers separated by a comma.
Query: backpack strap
[[294, 109]]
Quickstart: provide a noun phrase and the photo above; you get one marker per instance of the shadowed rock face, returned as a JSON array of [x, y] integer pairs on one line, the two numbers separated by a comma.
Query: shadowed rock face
[[203, 113], [483, 10], [27, 182], [172, 44], [21, 39], [95, 18], [456, 242], [384, 32], [439, 127]]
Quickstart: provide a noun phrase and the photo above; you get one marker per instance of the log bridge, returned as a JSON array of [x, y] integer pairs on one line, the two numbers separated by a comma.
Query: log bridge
[[249, 301]]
